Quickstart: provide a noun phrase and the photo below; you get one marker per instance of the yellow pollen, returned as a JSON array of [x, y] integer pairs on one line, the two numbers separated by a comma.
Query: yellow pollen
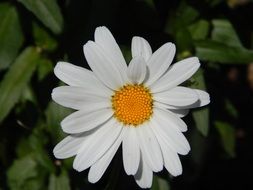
[[132, 104]]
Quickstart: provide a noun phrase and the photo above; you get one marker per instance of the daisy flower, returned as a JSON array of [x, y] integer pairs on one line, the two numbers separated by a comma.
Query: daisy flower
[[139, 105]]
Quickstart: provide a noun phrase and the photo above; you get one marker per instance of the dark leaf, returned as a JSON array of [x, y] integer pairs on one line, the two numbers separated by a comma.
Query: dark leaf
[[11, 36], [224, 32], [200, 115], [60, 182], [199, 30], [160, 183], [45, 67], [227, 134], [47, 11], [54, 115], [43, 39], [16, 79], [208, 50], [21, 170], [225, 46]]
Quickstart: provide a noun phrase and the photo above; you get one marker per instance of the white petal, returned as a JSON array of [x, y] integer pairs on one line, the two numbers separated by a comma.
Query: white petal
[[163, 106], [97, 145], [69, 146], [177, 73], [144, 175], [81, 121], [165, 124], [171, 159], [178, 96], [177, 111], [160, 61], [131, 151], [137, 70], [180, 113], [104, 69], [204, 97], [140, 47], [78, 76], [105, 39], [97, 169], [171, 116], [150, 148], [79, 98]]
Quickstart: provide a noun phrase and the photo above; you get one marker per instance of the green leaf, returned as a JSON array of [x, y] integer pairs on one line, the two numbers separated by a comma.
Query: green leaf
[[45, 67], [231, 109], [208, 50], [40, 153], [35, 144], [43, 39], [21, 170], [47, 11], [34, 184], [11, 36], [199, 147], [23, 148], [160, 183], [187, 13], [183, 40], [227, 134], [29, 95], [201, 118], [16, 79], [54, 115], [224, 32], [60, 182], [200, 115], [199, 30], [225, 46]]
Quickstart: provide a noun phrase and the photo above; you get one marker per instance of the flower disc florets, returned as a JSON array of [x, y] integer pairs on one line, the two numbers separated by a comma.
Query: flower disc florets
[[132, 104]]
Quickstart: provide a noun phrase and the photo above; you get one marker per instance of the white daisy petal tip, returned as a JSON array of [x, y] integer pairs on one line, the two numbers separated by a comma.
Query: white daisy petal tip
[[97, 170], [54, 95], [178, 96], [144, 175], [55, 152], [74, 123], [77, 168], [160, 62], [131, 152], [101, 28], [204, 97], [176, 74], [108, 69], [175, 173], [58, 67], [141, 47], [69, 146]]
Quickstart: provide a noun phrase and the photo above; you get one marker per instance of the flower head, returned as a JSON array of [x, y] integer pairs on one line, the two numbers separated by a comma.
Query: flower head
[[139, 106]]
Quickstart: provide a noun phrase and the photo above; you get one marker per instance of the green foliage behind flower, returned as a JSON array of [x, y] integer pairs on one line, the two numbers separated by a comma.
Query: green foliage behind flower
[[34, 35]]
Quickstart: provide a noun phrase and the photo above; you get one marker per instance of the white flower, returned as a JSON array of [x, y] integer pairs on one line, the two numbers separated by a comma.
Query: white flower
[[139, 105]]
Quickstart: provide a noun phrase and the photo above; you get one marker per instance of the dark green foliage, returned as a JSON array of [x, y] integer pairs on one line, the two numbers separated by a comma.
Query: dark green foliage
[[11, 36], [36, 34]]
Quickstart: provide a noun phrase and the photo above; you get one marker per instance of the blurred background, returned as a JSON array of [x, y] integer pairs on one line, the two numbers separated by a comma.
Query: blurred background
[[36, 34]]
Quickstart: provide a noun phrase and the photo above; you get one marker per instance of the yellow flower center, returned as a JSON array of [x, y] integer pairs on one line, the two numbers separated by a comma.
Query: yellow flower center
[[132, 104]]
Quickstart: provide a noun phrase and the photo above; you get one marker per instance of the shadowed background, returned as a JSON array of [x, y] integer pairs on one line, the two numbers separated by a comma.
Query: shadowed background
[[36, 34]]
